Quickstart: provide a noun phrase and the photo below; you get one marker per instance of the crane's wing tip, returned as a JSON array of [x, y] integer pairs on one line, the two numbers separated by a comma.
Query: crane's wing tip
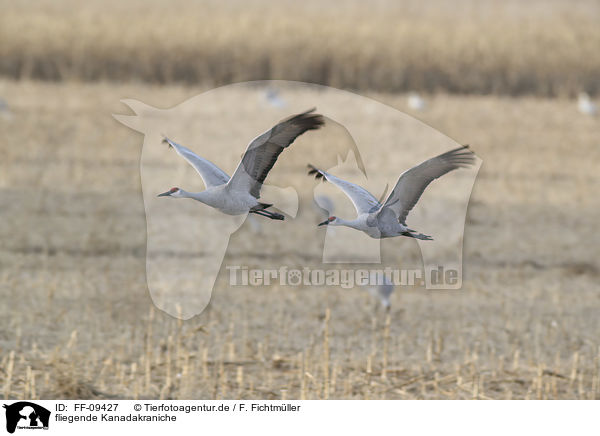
[[467, 147], [308, 119], [461, 156], [166, 140], [317, 172]]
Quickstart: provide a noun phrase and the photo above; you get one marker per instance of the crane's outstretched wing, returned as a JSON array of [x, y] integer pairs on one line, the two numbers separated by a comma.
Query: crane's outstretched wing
[[413, 182], [211, 174], [362, 199], [262, 152]]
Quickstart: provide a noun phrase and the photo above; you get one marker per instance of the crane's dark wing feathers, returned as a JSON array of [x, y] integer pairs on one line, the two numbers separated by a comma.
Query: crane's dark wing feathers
[[412, 183], [262, 153]]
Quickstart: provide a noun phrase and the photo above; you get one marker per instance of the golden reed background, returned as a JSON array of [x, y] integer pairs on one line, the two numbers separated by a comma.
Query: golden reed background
[[546, 48]]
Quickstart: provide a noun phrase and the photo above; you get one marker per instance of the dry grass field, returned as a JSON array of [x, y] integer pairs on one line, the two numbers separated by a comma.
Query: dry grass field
[[77, 320], [540, 47], [77, 317]]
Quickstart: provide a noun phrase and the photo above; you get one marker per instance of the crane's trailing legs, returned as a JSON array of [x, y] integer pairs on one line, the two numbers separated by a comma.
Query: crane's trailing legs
[[261, 210]]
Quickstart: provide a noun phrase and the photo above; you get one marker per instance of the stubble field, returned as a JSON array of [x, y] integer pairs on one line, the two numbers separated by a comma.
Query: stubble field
[[78, 321]]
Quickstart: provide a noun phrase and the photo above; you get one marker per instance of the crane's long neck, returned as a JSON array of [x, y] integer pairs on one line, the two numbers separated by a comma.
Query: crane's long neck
[[200, 196], [353, 223]]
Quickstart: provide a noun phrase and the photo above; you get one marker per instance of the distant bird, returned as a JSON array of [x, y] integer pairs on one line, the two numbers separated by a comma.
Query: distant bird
[[585, 105], [5, 112], [388, 219], [239, 194], [324, 202], [416, 102], [255, 225], [274, 99], [381, 287]]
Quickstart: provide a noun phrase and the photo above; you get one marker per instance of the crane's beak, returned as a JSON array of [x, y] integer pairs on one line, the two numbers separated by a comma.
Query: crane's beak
[[324, 223], [165, 194]]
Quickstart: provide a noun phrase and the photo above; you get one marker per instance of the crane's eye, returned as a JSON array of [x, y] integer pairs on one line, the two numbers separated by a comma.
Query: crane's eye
[[331, 218], [173, 190]]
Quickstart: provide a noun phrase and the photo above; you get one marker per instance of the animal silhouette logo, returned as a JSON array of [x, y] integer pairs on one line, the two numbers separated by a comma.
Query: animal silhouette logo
[[26, 415], [186, 244]]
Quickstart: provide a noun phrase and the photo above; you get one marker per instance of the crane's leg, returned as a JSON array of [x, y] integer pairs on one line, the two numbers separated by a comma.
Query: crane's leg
[[260, 210], [269, 214], [417, 236]]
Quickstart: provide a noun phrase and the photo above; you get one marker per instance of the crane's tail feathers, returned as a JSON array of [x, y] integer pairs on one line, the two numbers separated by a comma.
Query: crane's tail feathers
[[317, 172], [417, 236]]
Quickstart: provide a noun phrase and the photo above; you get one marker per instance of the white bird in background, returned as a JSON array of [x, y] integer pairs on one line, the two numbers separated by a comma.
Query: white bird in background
[[324, 202], [274, 99], [381, 287], [585, 105], [239, 194], [388, 219], [416, 102], [5, 112], [255, 224]]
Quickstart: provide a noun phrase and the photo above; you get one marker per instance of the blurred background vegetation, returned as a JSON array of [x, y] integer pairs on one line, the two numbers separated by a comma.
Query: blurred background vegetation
[[540, 47]]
